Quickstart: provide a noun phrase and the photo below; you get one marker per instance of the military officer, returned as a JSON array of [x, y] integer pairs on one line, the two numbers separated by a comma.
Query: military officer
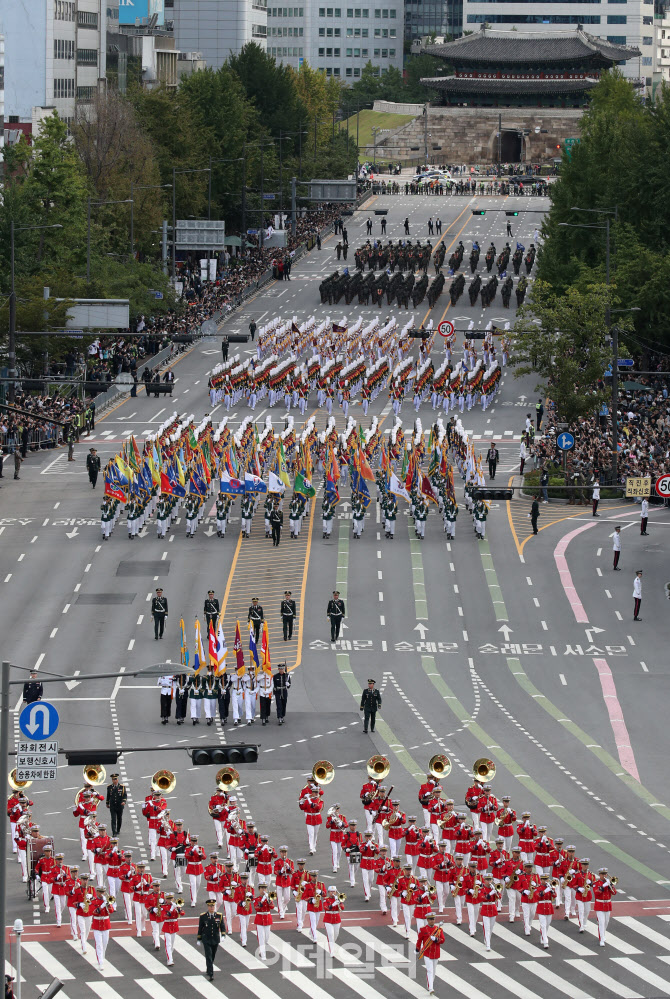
[[371, 702], [282, 683], [166, 686], [247, 514], [159, 611], [256, 616], [210, 930], [336, 612], [116, 801], [288, 614], [212, 610], [92, 466], [32, 689]]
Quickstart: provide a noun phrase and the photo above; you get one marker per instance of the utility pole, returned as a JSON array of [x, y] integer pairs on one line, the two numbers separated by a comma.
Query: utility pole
[[499, 138], [262, 202], [244, 196], [174, 224], [4, 774], [11, 349], [425, 133], [315, 138], [293, 211]]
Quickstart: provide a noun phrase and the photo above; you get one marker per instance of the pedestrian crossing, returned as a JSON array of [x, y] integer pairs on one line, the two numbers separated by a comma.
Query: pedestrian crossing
[[374, 963]]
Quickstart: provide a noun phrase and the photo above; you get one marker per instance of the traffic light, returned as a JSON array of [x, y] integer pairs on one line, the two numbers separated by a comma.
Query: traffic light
[[81, 757], [222, 755], [494, 494], [479, 211], [511, 213], [381, 211]]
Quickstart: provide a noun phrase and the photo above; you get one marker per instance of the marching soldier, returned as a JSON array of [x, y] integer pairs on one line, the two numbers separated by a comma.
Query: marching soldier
[[327, 510], [264, 907], [212, 611], [210, 695], [93, 466], [603, 891], [159, 611], [333, 908], [282, 684], [371, 702], [283, 873], [265, 684], [225, 684], [170, 915], [196, 694], [210, 930], [351, 844], [116, 802], [276, 523], [336, 612], [288, 614], [256, 616], [180, 697], [428, 943], [166, 683], [247, 511], [487, 899], [546, 894]]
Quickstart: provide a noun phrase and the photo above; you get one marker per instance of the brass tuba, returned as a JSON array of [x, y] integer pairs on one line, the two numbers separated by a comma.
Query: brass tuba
[[439, 766], [323, 772], [17, 785], [483, 770], [378, 767], [227, 778], [94, 774], [163, 781]]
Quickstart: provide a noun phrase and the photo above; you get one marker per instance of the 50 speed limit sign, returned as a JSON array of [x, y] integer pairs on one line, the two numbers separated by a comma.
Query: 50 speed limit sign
[[445, 328], [663, 486]]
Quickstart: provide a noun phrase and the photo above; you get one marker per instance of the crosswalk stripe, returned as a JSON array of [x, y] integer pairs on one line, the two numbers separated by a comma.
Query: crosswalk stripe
[[107, 970], [255, 985], [662, 984], [406, 983], [459, 984], [516, 988], [549, 978], [203, 987], [613, 941], [522, 943], [240, 954], [386, 951], [594, 972], [463, 937], [147, 960], [413, 937], [154, 988], [43, 957], [356, 982], [103, 990], [306, 985], [340, 954], [11, 970], [646, 931], [559, 937], [290, 953], [190, 954]]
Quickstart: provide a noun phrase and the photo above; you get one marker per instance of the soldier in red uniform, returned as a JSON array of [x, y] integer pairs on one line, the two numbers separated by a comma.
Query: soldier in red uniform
[[153, 903], [316, 896], [529, 884], [114, 861], [100, 910], [456, 880], [422, 901], [244, 899], [441, 870], [507, 818], [369, 853], [428, 944], [299, 887], [487, 810], [393, 881], [235, 827], [352, 842], [229, 883], [170, 914], [84, 899], [98, 849], [472, 796], [448, 825], [407, 887], [569, 900], [332, 916], [264, 908], [513, 877], [581, 884], [265, 855], [164, 835], [61, 875], [382, 813], [603, 891], [413, 841], [480, 851], [438, 811], [384, 868], [464, 839], [217, 808], [428, 791], [140, 882], [195, 855], [248, 844], [45, 869], [72, 889], [487, 900], [154, 809], [85, 808], [558, 868], [178, 844], [545, 852], [126, 873], [527, 837], [312, 805], [214, 878], [370, 797], [470, 890], [546, 894], [283, 873], [336, 823], [397, 823], [17, 804]]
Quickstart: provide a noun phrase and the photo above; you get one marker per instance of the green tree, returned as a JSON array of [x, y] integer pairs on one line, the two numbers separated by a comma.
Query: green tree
[[563, 337], [272, 88]]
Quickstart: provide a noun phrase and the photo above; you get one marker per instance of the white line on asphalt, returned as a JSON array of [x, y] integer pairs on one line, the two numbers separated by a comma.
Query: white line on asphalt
[[379, 554], [131, 644], [382, 620], [53, 633], [618, 614], [21, 557], [599, 552], [66, 608], [630, 639], [544, 625], [609, 595], [381, 597], [529, 580], [552, 649], [644, 667], [563, 680], [536, 601], [39, 660], [455, 587], [380, 574], [140, 619], [599, 571], [465, 636], [460, 612], [33, 540], [88, 567], [56, 505], [384, 647], [77, 588]]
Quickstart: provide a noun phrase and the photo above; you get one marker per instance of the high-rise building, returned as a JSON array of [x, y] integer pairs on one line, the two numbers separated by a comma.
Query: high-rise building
[[217, 28], [439, 18], [55, 55], [621, 22], [337, 40]]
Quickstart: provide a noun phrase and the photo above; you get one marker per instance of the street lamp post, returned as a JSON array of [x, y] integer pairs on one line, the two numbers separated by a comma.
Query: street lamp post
[[375, 129], [11, 344], [133, 188]]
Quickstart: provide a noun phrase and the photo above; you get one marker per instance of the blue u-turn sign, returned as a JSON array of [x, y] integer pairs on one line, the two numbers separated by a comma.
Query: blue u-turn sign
[[38, 721]]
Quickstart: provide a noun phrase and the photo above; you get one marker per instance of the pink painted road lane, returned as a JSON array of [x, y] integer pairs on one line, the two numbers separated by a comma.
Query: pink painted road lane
[[614, 709]]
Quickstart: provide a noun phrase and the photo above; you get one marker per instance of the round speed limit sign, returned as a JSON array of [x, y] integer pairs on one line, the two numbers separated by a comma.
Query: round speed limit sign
[[445, 328], [663, 486]]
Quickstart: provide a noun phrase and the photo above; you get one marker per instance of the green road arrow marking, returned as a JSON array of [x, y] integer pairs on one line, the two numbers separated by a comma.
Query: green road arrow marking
[[543, 701], [516, 770], [492, 580], [420, 604]]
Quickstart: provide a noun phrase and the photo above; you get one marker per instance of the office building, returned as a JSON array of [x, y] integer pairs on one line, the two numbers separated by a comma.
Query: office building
[[433, 18], [217, 28]]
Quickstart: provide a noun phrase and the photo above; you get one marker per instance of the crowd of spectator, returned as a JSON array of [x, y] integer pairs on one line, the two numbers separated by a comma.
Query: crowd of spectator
[[42, 422]]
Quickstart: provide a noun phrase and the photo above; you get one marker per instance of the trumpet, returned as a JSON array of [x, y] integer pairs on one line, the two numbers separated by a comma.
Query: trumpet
[[614, 882], [179, 902], [323, 772], [498, 885], [569, 877], [272, 896], [432, 892], [555, 882], [341, 897]]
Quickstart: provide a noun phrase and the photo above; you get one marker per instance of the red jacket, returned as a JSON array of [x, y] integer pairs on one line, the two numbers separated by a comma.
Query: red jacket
[[604, 891], [337, 824], [435, 935], [264, 909], [283, 872], [332, 909]]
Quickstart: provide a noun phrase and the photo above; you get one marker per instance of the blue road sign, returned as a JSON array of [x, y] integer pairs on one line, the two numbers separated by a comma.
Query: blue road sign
[[566, 441], [625, 362], [38, 720]]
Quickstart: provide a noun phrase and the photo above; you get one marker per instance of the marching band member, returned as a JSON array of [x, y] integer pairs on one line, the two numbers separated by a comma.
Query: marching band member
[[527, 837], [513, 874], [464, 834], [164, 835], [283, 873], [312, 805], [230, 882], [369, 852], [194, 857], [17, 804], [316, 895], [249, 843], [217, 806], [422, 901], [480, 850], [58, 887], [333, 907], [336, 823], [154, 809], [429, 790], [72, 888], [126, 873], [413, 842], [265, 855], [264, 907], [235, 829], [470, 888], [214, 877], [84, 903], [369, 794], [558, 868], [487, 900], [384, 867], [506, 817], [474, 792], [545, 852], [603, 890], [153, 905], [428, 943], [244, 897], [581, 884], [85, 808], [170, 914], [456, 878], [393, 880], [351, 844], [140, 882], [572, 866], [397, 821], [425, 860], [438, 810], [406, 897], [545, 908], [299, 883], [98, 849], [441, 876], [383, 812], [178, 842], [487, 809], [528, 886], [114, 862], [21, 840], [45, 869]]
